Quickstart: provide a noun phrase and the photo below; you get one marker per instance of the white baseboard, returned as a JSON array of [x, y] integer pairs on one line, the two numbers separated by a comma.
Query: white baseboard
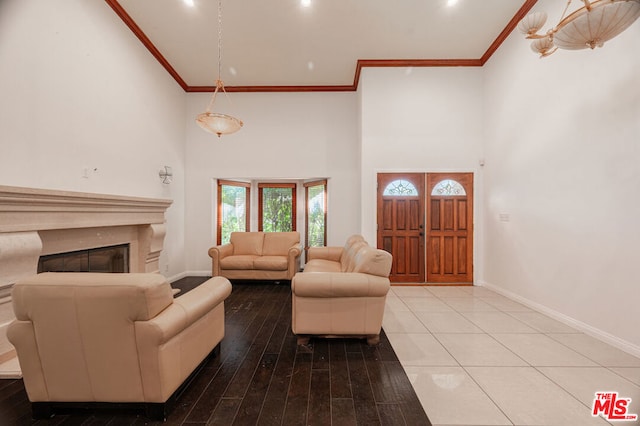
[[572, 322]]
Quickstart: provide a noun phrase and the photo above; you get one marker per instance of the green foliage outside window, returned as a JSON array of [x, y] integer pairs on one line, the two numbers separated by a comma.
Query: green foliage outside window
[[233, 210], [316, 216], [277, 206]]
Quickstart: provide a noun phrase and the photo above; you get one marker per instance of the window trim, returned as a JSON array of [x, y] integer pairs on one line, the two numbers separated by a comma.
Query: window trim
[[221, 183], [294, 191]]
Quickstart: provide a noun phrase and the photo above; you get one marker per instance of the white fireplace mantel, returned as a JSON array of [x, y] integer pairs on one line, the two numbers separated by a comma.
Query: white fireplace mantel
[[34, 222], [28, 209]]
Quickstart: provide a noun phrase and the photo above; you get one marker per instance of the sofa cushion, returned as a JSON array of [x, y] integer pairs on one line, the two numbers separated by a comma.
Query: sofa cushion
[[373, 261], [322, 265], [271, 263], [347, 249], [279, 243], [247, 243], [348, 258], [327, 253], [242, 261]]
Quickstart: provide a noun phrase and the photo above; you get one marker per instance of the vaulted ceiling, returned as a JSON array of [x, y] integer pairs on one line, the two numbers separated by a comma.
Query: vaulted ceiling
[[314, 45]]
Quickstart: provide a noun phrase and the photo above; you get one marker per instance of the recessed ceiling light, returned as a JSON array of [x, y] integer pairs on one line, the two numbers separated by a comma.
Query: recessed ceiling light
[[189, 3], [451, 2], [305, 3]]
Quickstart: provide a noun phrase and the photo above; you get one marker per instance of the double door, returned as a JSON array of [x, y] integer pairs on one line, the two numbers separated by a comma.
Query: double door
[[425, 220]]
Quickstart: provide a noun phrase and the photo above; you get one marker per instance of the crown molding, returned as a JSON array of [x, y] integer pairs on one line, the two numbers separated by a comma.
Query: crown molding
[[362, 63], [513, 23], [129, 22]]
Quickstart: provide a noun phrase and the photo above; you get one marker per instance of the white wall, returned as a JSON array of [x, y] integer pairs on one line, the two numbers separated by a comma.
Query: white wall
[[422, 120], [80, 91], [562, 160], [285, 136]]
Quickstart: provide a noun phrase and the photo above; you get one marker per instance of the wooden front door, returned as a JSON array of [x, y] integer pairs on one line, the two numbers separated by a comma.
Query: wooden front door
[[449, 227], [401, 224]]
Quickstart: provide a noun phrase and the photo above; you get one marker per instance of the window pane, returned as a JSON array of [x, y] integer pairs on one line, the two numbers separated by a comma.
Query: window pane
[[448, 187], [316, 222], [400, 187], [277, 208], [234, 210]]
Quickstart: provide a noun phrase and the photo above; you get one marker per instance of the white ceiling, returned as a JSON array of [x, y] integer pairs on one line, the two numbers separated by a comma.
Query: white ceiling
[[283, 43]]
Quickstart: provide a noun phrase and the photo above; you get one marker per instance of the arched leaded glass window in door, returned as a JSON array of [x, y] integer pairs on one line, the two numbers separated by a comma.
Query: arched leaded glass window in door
[[448, 187], [400, 187]]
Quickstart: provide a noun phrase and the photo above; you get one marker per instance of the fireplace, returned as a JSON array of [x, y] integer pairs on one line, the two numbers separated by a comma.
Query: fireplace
[[38, 222], [113, 259]]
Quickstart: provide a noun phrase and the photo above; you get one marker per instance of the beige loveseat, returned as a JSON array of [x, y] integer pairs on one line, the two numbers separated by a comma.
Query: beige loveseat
[[342, 292], [112, 338], [257, 256]]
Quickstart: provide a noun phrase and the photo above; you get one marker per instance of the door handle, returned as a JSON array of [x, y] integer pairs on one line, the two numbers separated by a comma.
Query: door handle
[[422, 234]]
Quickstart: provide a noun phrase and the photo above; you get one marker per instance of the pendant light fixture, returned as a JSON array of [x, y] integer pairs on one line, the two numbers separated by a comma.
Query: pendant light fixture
[[215, 122], [587, 27]]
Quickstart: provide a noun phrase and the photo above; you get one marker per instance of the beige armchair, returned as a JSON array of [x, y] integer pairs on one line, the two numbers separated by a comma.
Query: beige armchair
[[112, 338]]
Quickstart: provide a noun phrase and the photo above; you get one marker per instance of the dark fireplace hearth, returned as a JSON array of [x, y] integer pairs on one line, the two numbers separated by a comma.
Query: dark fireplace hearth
[[102, 259]]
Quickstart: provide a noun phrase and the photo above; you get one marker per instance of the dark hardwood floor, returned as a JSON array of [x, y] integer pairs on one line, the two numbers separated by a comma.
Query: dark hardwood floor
[[261, 377]]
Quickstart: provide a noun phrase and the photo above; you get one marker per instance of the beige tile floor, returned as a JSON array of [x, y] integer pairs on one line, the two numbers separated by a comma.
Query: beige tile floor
[[475, 357]]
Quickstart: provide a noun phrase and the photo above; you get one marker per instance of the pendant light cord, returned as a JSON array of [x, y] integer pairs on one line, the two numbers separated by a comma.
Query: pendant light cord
[[219, 83], [219, 39]]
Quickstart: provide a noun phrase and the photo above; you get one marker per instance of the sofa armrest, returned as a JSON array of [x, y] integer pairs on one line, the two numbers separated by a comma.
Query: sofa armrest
[[217, 253], [204, 297], [293, 259], [23, 336], [295, 250], [172, 344], [184, 311], [327, 253], [339, 284]]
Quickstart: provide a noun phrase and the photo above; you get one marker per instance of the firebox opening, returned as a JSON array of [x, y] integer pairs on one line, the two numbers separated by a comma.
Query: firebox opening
[[102, 259]]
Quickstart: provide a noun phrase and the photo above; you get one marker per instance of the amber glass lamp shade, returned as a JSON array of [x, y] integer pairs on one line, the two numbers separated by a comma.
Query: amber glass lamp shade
[[220, 124], [587, 27]]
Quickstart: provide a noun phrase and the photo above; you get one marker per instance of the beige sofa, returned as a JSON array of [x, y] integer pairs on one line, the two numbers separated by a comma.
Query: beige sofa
[[112, 338], [257, 256], [342, 292]]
